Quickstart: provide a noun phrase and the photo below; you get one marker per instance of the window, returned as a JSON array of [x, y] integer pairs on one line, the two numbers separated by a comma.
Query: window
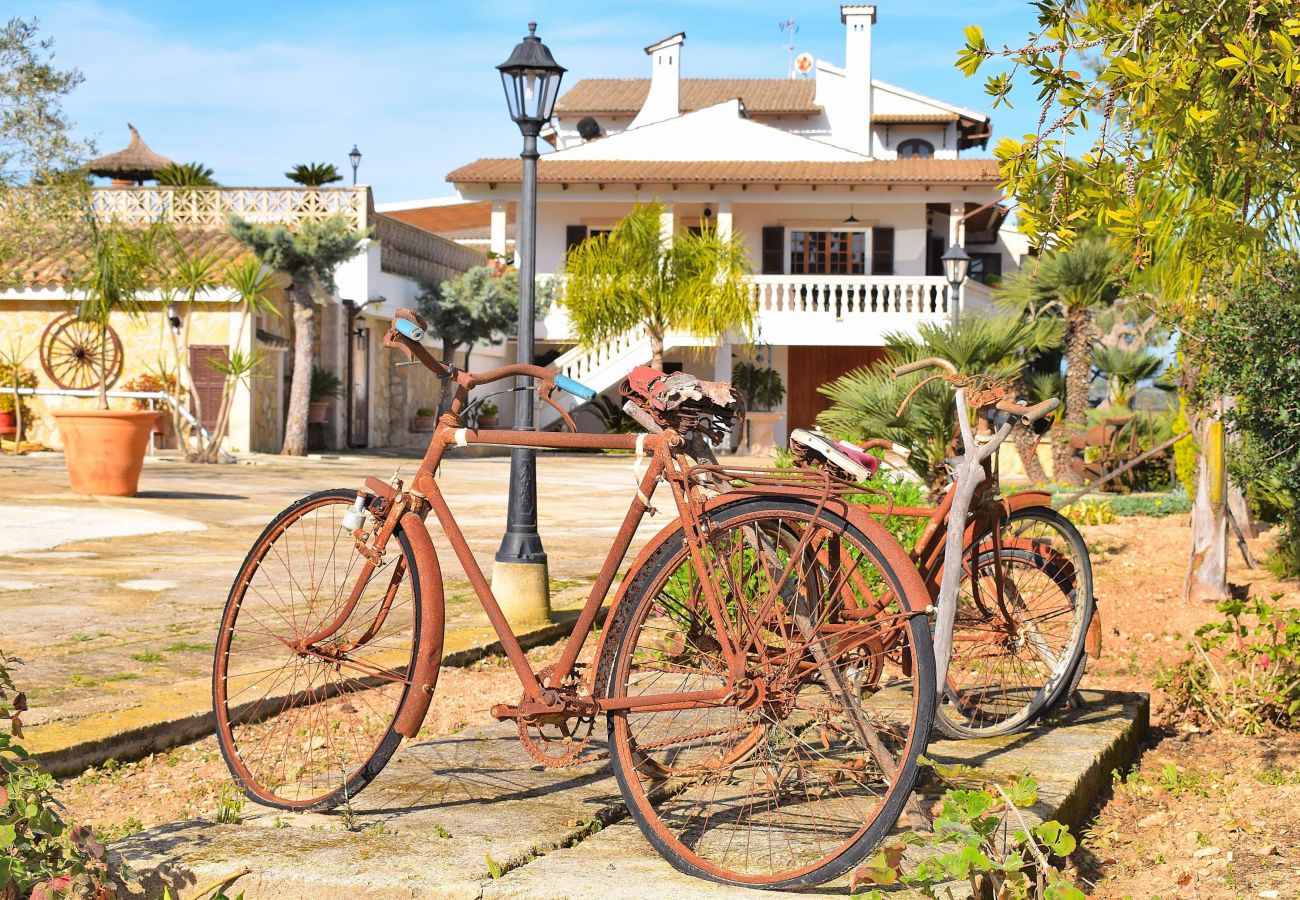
[[915, 148], [828, 253], [986, 268]]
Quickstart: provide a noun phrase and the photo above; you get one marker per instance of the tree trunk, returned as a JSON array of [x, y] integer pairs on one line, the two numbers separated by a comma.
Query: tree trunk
[[656, 350], [1027, 446], [1207, 569], [1078, 372], [445, 392], [295, 424]]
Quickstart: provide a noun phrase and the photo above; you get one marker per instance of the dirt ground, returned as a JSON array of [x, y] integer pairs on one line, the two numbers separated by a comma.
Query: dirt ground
[[1203, 816]]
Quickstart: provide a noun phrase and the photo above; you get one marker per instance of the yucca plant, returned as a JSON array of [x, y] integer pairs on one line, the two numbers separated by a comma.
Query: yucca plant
[[636, 275], [864, 403]]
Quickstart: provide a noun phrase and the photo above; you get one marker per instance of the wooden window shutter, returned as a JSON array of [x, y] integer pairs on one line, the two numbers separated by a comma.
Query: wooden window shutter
[[773, 250], [573, 236], [209, 381], [882, 251]]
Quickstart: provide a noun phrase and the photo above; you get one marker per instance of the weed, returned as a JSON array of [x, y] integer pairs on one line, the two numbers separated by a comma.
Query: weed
[[186, 647], [82, 638], [230, 804], [121, 676], [279, 823], [148, 656], [110, 833], [84, 681], [439, 831], [495, 869]]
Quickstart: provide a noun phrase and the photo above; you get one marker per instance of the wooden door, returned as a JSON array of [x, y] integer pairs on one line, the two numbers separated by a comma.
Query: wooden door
[[209, 381], [810, 368]]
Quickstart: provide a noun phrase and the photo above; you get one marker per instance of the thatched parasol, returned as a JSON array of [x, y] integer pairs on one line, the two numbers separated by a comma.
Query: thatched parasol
[[137, 163]]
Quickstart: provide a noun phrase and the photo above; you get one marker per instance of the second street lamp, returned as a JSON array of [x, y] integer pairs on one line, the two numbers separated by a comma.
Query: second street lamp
[[956, 264], [531, 78], [355, 158]]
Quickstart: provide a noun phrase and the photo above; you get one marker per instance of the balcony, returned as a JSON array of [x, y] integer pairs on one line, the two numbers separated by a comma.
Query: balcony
[[832, 310]]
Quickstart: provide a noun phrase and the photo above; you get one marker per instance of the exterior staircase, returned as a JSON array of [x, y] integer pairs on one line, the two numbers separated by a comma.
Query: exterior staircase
[[600, 368]]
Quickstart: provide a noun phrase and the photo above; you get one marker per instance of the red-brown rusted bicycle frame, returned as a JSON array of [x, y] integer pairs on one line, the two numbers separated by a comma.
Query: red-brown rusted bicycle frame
[[409, 509]]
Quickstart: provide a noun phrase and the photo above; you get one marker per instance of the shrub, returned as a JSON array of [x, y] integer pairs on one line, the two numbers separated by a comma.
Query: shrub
[[150, 382], [26, 379], [1089, 512], [424, 412], [40, 854], [1169, 504], [1239, 677]]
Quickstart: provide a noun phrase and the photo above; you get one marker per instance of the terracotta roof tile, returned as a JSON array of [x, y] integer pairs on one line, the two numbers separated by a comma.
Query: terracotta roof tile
[[879, 171], [934, 118], [56, 266], [456, 221], [762, 96]]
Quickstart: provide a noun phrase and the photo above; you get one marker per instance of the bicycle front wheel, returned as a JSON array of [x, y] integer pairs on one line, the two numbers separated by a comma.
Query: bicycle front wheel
[[1017, 644], [805, 767], [307, 725]]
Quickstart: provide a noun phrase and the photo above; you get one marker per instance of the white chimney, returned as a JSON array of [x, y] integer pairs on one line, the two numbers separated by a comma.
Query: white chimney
[[858, 19], [664, 98]]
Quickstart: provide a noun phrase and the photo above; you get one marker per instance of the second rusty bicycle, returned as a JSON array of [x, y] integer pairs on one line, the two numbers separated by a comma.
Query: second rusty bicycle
[[756, 731]]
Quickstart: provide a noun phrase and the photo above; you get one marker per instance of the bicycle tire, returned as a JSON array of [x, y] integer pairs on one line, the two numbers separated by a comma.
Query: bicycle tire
[[657, 811], [324, 709], [994, 710]]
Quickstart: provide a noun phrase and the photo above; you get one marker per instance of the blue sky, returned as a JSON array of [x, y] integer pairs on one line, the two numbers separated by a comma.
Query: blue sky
[[250, 88]]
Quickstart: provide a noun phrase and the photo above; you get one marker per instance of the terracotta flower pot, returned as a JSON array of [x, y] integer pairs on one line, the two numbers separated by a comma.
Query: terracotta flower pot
[[423, 423], [7, 421], [104, 449], [316, 411], [488, 421]]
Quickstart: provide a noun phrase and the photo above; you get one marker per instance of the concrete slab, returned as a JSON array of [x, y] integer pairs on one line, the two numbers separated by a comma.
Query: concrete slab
[[537, 824], [49, 526]]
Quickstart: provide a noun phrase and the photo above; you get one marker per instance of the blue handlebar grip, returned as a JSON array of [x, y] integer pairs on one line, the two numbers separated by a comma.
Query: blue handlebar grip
[[409, 329], [576, 388]]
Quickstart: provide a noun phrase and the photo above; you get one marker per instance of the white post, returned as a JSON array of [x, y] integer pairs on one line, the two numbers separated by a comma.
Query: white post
[[724, 219], [498, 235], [666, 224]]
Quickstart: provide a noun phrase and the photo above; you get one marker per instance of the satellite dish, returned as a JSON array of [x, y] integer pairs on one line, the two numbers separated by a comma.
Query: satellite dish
[[803, 63], [588, 128]]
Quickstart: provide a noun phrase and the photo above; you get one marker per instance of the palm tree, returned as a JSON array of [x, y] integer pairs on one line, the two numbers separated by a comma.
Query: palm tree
[[308, 258], [864, 403], [190, 174], [1073, 285], [637, 275], [314, 174], [1123, 368]]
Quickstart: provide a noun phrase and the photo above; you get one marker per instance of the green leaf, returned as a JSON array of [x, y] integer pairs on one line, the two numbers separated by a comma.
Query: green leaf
[[1056, 837], [1230, 62], [495, 869], [7, 834], [1024, 792], [974, 36]]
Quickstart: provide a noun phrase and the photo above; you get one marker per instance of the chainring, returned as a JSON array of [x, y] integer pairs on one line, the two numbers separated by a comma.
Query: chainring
[[552, 741]]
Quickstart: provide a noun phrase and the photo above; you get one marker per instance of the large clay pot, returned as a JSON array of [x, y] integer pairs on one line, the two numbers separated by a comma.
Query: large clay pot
[[104, 448], [316, 411]]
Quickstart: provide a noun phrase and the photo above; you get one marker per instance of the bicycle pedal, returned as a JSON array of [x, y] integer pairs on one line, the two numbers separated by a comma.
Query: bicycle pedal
[[505, 711]]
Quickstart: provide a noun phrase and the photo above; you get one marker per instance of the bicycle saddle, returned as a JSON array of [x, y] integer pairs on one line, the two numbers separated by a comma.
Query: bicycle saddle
[[683, 402]]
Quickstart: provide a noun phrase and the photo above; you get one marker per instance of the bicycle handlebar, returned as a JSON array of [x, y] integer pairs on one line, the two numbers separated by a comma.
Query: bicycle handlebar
[[927, 363]]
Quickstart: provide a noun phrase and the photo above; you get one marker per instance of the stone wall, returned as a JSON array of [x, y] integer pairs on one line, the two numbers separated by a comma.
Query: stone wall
[[145, 342]]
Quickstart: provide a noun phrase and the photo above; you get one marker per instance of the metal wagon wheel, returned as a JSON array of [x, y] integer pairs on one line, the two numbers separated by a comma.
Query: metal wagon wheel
[[74, 351]]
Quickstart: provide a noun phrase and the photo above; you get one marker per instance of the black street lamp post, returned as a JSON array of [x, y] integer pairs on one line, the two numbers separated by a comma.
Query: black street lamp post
[[956, 264], [531, 78], [355, 158]]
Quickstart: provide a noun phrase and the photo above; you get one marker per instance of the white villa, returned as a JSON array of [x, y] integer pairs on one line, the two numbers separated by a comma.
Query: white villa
[[846, 189]]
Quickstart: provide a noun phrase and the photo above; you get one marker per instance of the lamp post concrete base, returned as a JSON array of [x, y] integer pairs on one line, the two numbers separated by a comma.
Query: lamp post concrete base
[[524, 591]]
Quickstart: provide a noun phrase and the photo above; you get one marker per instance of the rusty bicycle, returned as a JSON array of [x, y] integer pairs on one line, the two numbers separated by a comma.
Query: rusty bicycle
[[757, 733], [1024, 613]]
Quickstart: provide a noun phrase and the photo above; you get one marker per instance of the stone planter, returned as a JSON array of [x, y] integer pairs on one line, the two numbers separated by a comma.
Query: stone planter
[[104, 448], [760, 433]]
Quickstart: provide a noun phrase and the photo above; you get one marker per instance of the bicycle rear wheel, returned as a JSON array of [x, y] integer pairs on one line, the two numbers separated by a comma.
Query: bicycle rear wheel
[[807, 770], [1016, 658], [306, 727]]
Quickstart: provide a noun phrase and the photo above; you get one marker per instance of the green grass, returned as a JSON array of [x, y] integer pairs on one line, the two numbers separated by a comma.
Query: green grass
[[186, 647], [148, 656], [121, 676]]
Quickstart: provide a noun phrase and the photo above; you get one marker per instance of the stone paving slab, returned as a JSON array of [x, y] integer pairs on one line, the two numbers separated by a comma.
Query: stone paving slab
[[537, 824]]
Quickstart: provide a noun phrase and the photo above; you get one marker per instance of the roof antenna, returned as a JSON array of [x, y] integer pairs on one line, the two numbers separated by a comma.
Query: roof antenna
[[790, 28]]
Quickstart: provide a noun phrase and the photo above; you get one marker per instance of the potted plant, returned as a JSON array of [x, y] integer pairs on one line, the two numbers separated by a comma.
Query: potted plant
[[15, 412], [155, 382], [762, 388], [423, 420], [487, 415], [325, 385], [104, 448]]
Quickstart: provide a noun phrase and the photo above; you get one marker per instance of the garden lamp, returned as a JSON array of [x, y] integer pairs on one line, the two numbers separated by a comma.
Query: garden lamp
[[355, 157], [956, 265], [531, 78]]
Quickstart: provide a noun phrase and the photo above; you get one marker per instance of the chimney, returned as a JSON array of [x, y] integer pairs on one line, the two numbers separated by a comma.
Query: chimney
[[663, 101], [858, 19]]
